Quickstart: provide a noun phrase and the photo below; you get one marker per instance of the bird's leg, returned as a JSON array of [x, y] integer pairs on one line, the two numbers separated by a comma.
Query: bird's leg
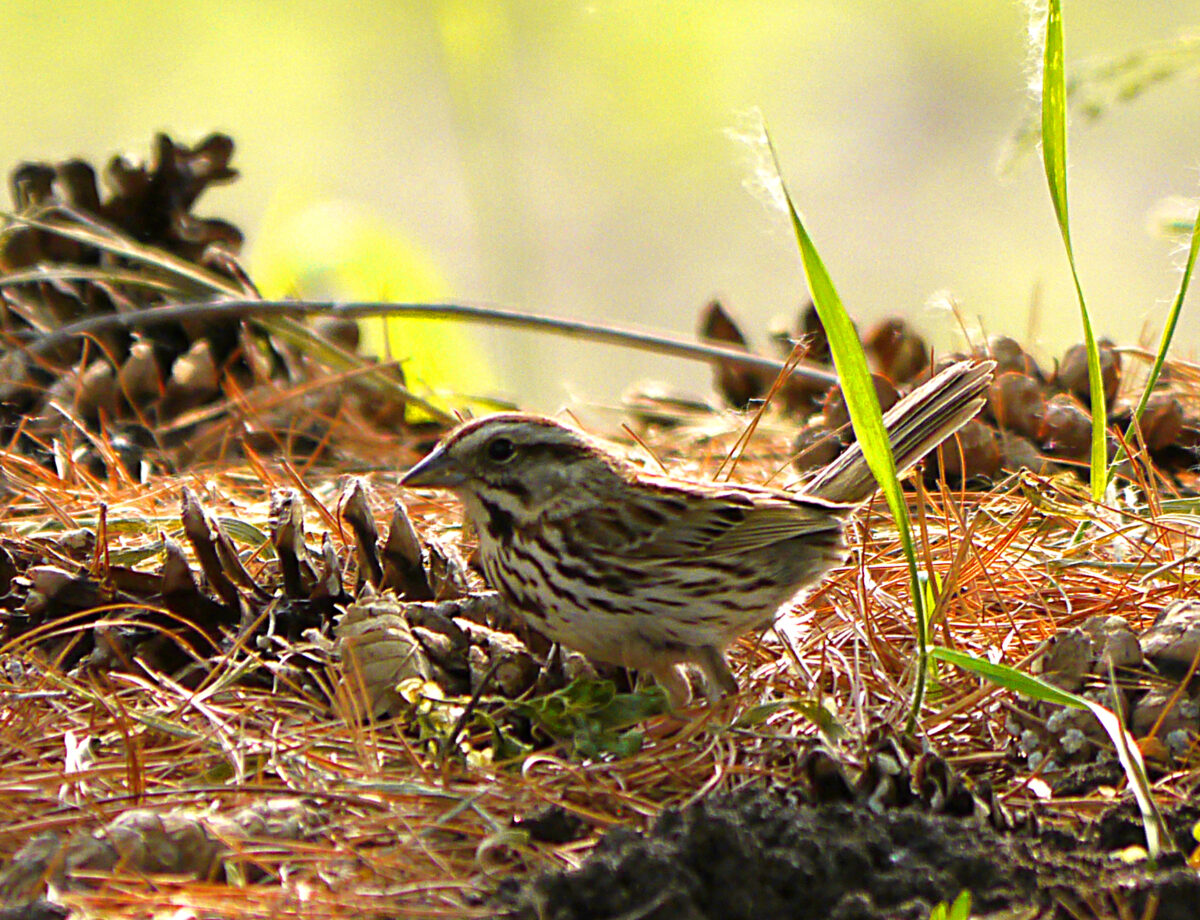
[[718, 679], [672, 679]]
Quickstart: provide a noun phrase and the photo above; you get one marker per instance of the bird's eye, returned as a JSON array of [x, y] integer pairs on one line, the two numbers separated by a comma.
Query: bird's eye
[[500, 450]]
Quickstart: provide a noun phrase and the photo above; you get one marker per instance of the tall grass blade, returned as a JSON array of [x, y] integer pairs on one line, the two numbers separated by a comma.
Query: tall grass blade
[[1099, 86], [863, 405], [1157, 835], [1054, 157], [1168, 333]]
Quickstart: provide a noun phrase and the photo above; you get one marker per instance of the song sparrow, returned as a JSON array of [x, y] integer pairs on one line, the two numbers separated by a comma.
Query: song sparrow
[[652, 572]]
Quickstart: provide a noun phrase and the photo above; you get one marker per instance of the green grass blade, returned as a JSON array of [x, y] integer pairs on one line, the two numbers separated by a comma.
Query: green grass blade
[[1054, 157], [851, 364], [1099, 86], [863, 406], [1157, 835], [1168, 333]]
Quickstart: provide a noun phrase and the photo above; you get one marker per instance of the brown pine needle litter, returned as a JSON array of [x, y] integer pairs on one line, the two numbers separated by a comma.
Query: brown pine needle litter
[[254, 779], [236, 681]]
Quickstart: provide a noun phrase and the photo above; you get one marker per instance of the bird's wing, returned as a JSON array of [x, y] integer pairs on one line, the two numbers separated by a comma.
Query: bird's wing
[[770, 524], [671, 520]]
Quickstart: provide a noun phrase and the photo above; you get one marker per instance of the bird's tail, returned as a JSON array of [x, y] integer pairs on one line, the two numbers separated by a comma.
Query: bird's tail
[[915, 425]]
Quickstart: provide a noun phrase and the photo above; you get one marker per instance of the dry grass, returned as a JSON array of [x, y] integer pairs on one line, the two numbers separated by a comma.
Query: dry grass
[[393, 828]]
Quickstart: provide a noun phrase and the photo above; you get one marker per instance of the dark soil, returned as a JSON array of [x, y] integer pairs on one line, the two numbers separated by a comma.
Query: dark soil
[[756, 854]]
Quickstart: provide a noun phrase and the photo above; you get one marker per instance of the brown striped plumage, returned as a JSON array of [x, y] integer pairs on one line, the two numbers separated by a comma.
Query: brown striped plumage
[[651, 572]]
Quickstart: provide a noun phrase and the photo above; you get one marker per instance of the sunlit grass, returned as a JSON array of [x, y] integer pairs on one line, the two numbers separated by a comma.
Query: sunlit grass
[[1165, 342], [1054, 158], [865, 415]]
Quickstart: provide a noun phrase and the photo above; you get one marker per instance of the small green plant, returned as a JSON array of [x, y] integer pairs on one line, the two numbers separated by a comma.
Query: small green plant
[[959, 910], [593, 718]]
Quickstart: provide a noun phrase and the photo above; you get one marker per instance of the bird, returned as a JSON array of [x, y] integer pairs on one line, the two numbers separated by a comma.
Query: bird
[[656, 573]]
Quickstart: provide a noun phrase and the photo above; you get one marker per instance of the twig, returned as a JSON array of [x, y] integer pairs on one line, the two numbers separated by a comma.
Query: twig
[[41, 343]]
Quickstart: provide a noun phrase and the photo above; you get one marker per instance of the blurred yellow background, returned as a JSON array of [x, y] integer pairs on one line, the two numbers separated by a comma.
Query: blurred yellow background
[[574, 158]]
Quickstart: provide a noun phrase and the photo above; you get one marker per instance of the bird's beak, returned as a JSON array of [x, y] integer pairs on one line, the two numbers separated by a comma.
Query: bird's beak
[[437, 471]]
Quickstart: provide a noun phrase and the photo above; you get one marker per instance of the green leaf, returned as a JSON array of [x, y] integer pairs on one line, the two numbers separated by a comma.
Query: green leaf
[[505, 747], [593, 717], [961, 908], [825, 721]]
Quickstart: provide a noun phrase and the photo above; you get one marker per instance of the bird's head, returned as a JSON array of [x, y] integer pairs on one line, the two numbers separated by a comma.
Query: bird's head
[[521, 463]]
